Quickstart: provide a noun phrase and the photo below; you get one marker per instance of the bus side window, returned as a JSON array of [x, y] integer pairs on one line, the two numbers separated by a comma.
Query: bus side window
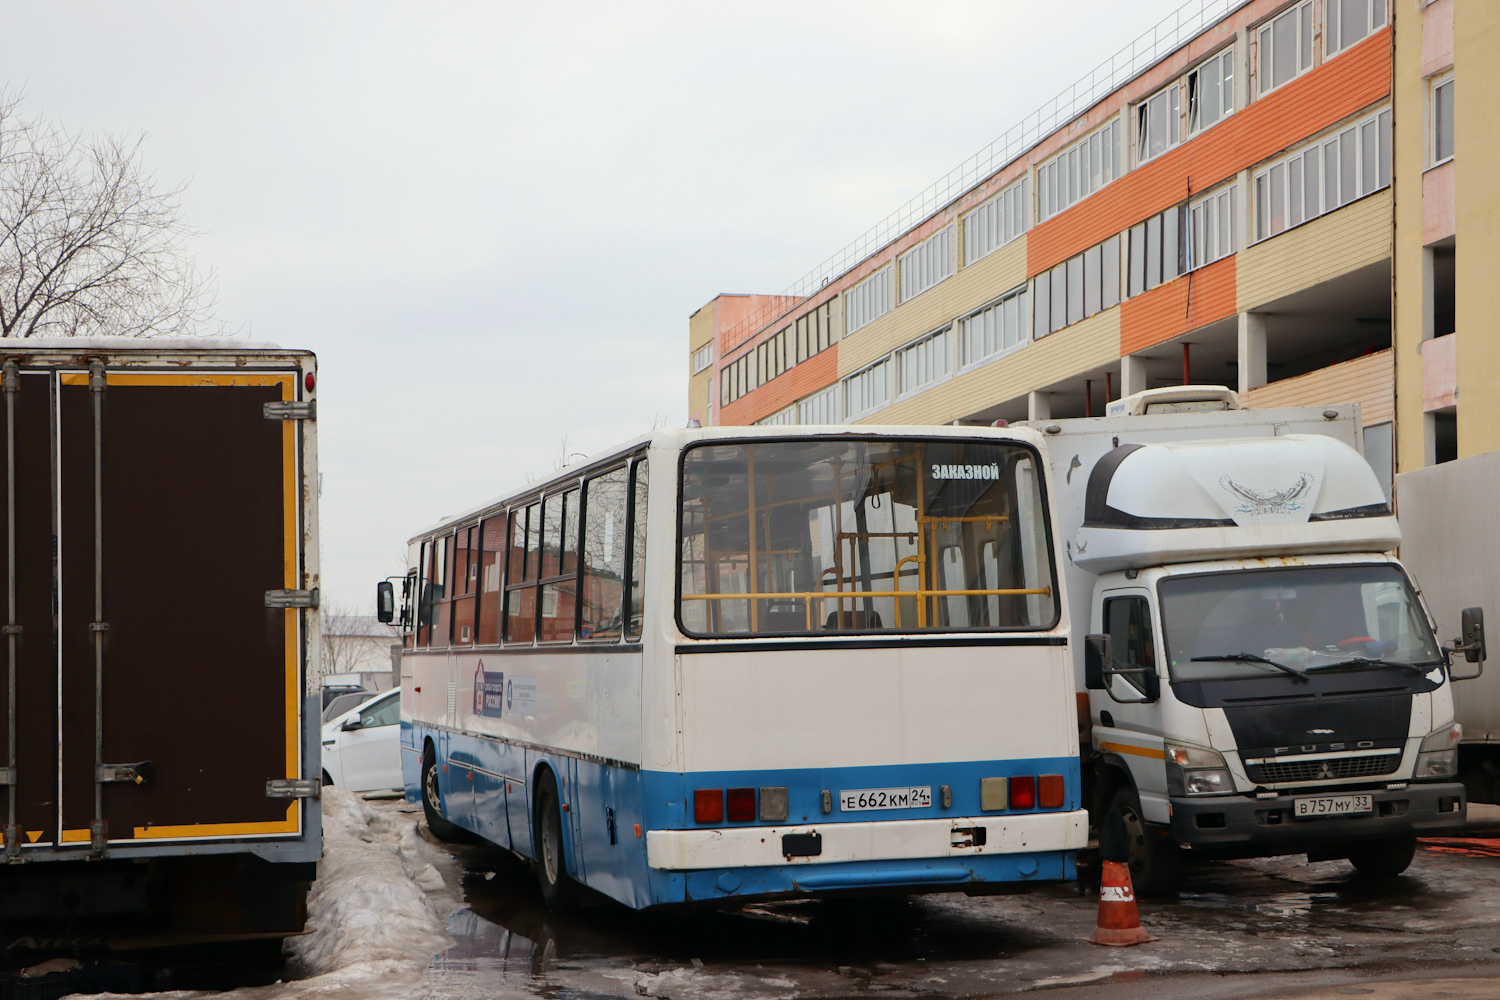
[[559, 565], [492, 535], [423, 583], [520, 590], [603, 555], [465, 575], [636, 590], [442, 590]]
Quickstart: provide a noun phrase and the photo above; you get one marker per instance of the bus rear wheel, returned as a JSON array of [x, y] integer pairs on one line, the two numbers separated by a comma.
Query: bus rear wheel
[[558, 890], [432, 803]]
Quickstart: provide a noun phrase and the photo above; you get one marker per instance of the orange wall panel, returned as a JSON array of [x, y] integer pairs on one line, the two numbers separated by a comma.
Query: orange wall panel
[[817, 372], [1322, 97], [1193, 300]]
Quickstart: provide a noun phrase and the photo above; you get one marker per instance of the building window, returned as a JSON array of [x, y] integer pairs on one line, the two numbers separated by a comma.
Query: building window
[[1286, 46], [703, 357], [1158, 123], [927, 361], [1077, 288], [810, 334], [820, 407], [998, 221], [867, 301], [1211, 227], [1154, 252], [1441, 117], [993, 330], [780, 417], [926, 264], [1325, 175], [867, 390], [1211, 91], [1079, 171], [1347, 21]]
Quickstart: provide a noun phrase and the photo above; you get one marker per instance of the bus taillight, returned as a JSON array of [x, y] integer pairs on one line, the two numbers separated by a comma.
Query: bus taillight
[[1023, 792], [741, 805], [1049, 791], [708, 805]]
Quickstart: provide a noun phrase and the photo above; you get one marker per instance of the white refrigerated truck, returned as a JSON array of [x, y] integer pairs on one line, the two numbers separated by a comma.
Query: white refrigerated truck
[[1262, 679]]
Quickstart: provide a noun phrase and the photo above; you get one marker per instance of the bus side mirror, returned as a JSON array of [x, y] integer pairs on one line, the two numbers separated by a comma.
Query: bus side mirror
[[1095, 659], [385, 602]]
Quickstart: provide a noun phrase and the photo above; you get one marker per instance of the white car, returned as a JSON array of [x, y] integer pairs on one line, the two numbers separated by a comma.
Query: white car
[[362, 747]]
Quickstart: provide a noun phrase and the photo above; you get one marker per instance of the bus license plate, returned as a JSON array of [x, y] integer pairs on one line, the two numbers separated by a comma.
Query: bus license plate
[[885, 798], [1332, 805]]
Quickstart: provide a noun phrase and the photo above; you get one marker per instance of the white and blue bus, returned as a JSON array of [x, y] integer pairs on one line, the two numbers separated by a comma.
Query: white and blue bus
[[731, 663]]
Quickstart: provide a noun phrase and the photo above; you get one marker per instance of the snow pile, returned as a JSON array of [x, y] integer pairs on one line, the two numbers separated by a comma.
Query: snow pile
[[379, 898]]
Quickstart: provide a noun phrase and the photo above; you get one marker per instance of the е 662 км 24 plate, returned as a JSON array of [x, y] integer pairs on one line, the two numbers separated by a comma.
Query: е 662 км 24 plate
[[910, 797]]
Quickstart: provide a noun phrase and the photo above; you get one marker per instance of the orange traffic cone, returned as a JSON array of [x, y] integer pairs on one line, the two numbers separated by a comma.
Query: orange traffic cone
[[1119, 922]]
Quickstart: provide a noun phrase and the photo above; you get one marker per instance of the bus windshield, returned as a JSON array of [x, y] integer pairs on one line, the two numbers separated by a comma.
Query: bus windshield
[[797, 537], [1307, 619]]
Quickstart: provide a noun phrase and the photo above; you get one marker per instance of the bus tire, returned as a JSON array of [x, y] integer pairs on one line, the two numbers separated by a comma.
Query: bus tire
[[1383, 858], [432, 803], [558, 890], [1155, 861]]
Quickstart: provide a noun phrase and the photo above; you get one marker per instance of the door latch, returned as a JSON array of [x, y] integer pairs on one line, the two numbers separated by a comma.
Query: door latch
[[141, 773], [291, 409], [294, 788], [292, 598]]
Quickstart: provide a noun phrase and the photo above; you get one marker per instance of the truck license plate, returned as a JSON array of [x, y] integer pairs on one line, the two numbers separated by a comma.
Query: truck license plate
[[885, 798], [1332, 805]]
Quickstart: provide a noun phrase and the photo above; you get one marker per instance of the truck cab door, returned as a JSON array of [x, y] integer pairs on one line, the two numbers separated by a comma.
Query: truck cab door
[[1129, 730]]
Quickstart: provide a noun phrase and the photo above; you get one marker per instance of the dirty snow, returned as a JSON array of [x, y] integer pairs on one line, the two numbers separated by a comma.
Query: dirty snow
[[376, 914]]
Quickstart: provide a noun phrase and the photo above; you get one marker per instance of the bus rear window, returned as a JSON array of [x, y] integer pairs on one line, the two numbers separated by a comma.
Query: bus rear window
[[791, 537]]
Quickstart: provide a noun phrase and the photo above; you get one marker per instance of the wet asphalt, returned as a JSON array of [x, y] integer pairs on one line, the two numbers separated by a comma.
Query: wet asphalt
[[1275, 927]]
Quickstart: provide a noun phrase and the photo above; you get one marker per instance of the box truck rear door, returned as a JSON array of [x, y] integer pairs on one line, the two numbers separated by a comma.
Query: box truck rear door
[[165, 558]]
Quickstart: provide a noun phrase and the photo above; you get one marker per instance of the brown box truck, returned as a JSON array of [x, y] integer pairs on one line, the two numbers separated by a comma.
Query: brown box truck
[[159, 550]]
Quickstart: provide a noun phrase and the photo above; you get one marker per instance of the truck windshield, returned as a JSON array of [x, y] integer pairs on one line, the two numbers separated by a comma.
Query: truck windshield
[[1306, 618], [810, 536]]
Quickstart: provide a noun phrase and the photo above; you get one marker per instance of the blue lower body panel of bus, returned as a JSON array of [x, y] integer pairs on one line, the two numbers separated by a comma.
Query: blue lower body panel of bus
[[631, 833]]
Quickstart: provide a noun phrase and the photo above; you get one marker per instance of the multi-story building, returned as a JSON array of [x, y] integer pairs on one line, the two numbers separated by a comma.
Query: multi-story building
[[1237, 198]]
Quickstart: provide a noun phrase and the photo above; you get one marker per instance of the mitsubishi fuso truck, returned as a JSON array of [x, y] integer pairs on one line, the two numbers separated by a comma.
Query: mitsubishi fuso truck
[[1262, 677]]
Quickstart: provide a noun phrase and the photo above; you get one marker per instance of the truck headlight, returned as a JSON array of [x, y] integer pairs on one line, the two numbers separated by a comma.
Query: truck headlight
[[1439, 754], [1195, 770]]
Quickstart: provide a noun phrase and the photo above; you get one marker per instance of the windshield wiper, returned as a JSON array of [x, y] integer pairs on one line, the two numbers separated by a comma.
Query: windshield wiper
[[1361, 661], [1249, 658]]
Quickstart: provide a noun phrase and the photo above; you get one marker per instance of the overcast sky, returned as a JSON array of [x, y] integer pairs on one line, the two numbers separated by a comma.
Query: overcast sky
[[492, 221]]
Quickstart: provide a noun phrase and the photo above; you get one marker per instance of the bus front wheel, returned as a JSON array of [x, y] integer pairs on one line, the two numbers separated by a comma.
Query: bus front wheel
[[558, 890], [432, 803]]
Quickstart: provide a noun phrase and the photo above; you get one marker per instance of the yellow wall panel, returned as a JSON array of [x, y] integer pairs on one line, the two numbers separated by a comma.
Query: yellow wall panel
[[1078, 348], [968, 289], [1341, 241], [1368, 381], [1476, 146]]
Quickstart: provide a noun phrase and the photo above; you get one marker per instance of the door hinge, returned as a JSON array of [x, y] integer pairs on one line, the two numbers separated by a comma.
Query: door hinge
[[294, 788], [292, 410], [292, 598], [140, 773], [7, 776]]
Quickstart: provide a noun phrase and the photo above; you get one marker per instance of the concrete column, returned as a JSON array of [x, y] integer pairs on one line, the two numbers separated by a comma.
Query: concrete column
[[1132, 375], [1429, 296], [1241, 69], [1252, 353], [1039, 406]]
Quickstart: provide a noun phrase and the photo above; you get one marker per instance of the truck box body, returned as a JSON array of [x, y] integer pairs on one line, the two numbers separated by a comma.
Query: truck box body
[[159, 492], [1203, 542]]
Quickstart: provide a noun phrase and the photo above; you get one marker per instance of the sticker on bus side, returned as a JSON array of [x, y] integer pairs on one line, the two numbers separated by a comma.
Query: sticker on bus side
[[859, 799], [489, 692]]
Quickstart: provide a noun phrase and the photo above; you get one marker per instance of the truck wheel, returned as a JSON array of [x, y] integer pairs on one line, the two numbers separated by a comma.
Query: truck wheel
[[1383, 858], [558, 890], [432, 803], [1155, 861]]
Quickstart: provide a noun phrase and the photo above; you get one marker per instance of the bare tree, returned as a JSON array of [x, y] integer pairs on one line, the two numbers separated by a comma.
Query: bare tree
[[353, 643], [88, 245]]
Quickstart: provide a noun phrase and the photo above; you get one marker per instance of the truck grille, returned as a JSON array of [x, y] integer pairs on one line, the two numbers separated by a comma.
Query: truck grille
[[1324, 768]]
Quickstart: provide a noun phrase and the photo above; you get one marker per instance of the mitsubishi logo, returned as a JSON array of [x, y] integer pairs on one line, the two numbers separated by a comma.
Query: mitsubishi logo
[[1323, 772]]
